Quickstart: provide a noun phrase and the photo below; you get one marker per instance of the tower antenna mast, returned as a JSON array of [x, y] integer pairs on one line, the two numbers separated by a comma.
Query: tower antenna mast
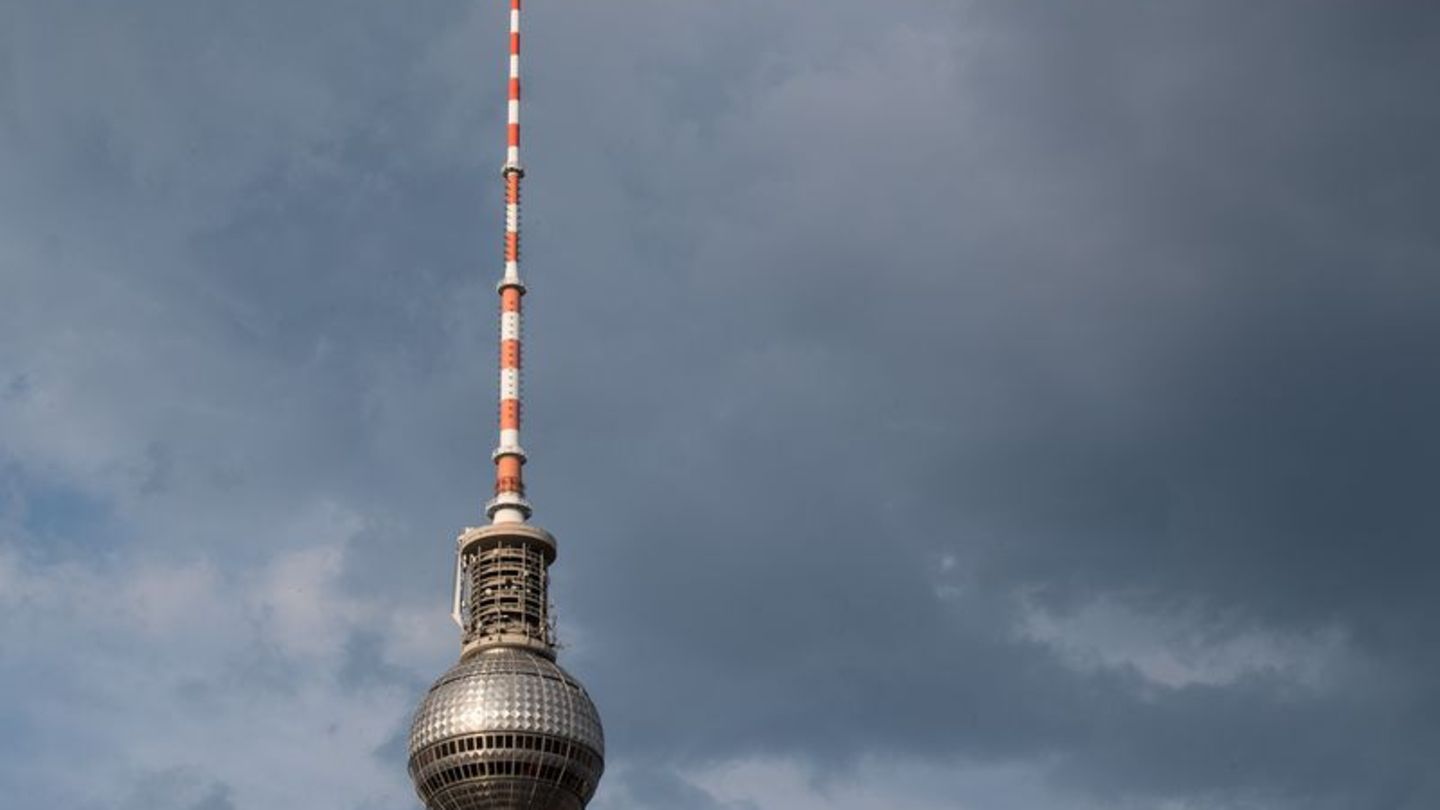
[[509, 504]]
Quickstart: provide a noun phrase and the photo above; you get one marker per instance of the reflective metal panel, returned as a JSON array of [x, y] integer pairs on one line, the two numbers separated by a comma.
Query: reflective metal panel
[[503, 724]]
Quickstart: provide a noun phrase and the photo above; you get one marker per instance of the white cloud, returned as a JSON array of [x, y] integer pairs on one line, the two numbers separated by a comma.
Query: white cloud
[[149, 666], [1179, 649]]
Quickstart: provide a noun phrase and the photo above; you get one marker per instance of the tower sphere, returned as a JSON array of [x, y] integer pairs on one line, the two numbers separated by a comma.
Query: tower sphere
[[506, 729]]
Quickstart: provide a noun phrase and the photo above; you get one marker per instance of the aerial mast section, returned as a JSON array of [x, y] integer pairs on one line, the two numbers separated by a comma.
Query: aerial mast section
[[509, 504]]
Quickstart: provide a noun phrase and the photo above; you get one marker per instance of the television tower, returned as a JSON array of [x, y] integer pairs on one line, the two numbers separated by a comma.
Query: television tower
[[506, 728]]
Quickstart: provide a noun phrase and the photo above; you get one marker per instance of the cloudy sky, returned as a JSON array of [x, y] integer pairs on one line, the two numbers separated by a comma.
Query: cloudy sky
[[992, 405]]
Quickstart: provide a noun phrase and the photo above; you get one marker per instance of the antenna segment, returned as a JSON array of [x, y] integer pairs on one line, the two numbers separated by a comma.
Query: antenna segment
[[509, 504]]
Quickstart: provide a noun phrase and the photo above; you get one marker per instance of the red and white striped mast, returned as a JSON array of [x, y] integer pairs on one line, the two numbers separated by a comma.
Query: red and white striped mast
[[509, 504]]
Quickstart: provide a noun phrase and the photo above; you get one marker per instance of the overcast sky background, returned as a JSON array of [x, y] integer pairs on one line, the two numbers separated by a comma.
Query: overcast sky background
[[998, 405]]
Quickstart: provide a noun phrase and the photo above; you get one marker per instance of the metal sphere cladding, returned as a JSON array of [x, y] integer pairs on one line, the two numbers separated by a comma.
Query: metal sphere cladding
[[506, 728]]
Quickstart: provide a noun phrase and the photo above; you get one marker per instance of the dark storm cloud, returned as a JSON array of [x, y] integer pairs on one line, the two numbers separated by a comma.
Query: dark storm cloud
[[1109, 301], [860, 343]]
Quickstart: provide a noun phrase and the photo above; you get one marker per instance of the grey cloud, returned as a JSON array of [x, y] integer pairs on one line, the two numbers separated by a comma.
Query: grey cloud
[[662, 789], [1141, 371], [179, 789], [364, 665], [1123, 302]]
